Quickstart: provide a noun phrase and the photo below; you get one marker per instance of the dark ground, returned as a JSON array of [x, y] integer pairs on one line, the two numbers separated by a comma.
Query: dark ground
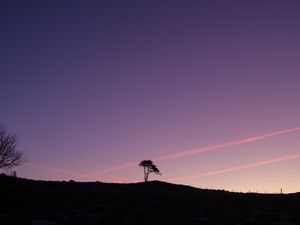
[[32, 202]]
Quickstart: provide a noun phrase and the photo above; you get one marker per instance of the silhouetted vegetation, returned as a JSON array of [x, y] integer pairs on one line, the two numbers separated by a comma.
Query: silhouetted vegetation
[[9, 155], [149, 167]]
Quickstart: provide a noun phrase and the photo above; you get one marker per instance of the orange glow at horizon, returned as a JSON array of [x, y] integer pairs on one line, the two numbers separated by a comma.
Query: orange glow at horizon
[[62, 171], [57, 170]]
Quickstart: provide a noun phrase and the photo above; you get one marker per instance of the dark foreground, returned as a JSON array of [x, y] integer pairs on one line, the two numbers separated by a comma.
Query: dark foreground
[[70, 203]]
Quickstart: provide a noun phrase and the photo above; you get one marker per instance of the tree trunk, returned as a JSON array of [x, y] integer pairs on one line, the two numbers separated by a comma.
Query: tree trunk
[[146, 173]]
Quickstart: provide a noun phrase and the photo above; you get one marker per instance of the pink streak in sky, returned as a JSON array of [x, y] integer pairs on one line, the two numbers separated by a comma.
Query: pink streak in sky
[[62, 171], [111, 169], [198, 150], [229, 144], [237, 168]]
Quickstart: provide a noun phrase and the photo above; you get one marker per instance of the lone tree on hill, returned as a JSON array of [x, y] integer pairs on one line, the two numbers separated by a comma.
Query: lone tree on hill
[[149, 167], [9, 156]]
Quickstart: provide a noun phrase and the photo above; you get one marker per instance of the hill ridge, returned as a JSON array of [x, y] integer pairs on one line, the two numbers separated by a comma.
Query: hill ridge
[[25, 201]]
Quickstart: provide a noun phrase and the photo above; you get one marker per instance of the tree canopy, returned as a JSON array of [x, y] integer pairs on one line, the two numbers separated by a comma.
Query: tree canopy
[[9, 155], [149, 167]]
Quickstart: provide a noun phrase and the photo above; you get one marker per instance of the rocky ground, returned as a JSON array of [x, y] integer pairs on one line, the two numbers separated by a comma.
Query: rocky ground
[[32, 202]]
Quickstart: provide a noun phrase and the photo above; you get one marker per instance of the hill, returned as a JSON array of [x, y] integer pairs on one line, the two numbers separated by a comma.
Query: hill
[[33, 202]]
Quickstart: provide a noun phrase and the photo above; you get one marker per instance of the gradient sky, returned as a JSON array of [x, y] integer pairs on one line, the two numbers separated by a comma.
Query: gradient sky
[[91, 85]]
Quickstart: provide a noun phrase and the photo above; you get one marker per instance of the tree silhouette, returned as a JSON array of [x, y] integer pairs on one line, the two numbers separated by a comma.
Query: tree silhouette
[[149, 167], [9, 156]]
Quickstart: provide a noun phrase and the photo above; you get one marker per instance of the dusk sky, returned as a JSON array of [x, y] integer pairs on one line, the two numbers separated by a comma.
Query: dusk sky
[[92, 85]]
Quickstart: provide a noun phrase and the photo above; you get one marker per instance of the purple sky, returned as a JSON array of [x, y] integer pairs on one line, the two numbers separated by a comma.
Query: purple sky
[[90, 85]]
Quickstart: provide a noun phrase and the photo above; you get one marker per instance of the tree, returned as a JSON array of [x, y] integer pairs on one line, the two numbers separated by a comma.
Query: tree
[[9, 156], [149, 167]]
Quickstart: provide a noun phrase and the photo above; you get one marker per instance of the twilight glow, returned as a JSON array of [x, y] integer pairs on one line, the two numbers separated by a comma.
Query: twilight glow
[[237, 168], [195, 151], [91, 88]]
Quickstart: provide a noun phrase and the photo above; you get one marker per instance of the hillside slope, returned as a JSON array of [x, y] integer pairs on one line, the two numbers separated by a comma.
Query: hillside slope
[[28, 202]]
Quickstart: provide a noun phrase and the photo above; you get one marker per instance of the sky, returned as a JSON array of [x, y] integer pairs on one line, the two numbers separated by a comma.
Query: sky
[[209, 90]]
